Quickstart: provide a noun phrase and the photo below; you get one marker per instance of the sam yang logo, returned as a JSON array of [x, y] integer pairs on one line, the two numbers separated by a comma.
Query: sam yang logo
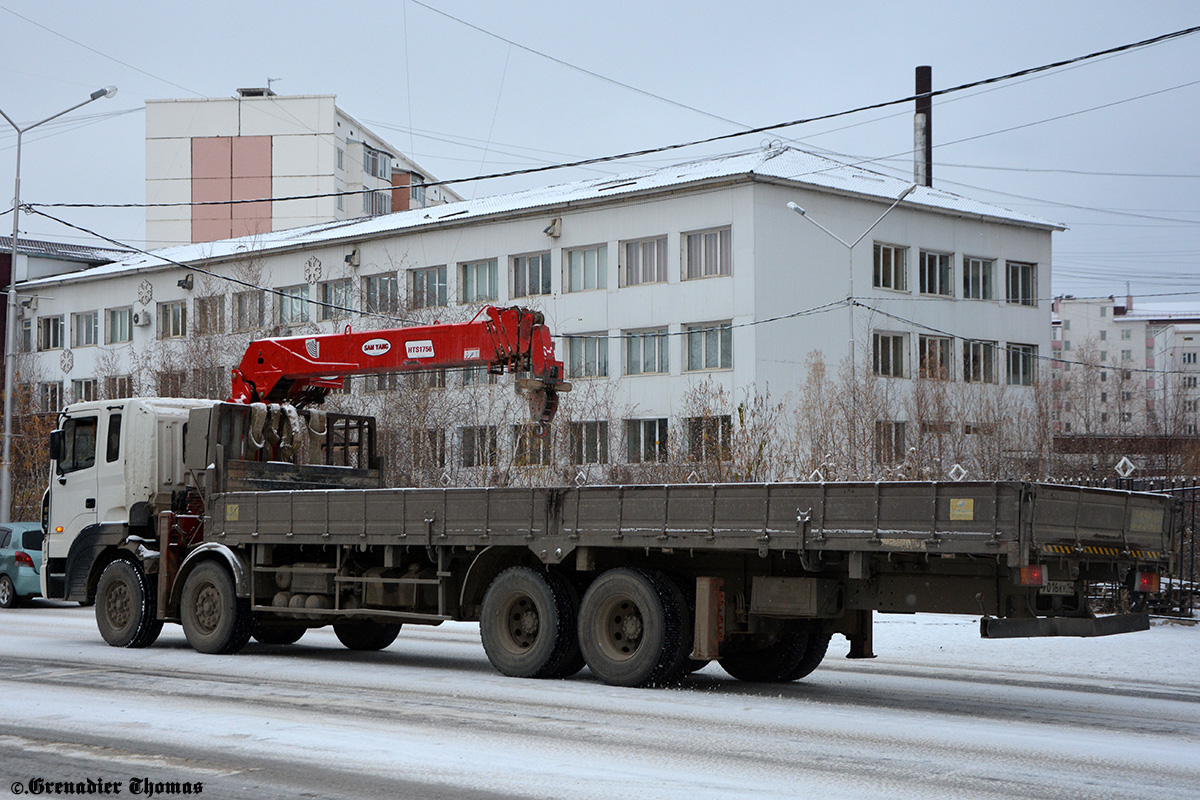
[[376, 347], [419, 349]]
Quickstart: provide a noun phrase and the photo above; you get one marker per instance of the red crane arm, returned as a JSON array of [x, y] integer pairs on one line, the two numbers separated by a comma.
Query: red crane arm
[[298, 369]]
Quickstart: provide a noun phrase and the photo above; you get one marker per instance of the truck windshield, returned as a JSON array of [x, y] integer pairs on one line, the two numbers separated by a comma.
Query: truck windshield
[[79, 444]]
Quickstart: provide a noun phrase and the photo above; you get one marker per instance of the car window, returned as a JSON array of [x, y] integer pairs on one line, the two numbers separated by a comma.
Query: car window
[[32, 541], [5, 535], [113, 449], [79, 444]]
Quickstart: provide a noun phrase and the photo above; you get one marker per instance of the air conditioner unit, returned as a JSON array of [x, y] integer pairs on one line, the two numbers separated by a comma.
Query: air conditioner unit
[[141, 318]]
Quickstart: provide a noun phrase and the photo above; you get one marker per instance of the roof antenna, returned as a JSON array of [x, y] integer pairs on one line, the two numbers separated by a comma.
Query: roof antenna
[[270, 81]]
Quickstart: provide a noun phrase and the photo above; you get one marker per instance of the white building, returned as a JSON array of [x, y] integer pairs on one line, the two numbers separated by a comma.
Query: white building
[[259, 145], [667, 279], [1127, 370]]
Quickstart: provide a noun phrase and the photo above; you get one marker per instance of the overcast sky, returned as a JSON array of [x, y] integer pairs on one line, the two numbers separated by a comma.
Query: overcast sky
[[1120, 166]]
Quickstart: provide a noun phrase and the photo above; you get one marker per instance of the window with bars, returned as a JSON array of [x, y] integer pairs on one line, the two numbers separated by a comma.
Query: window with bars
[[172, 320], [480, 281], [646, 440], [936, 273], [935, 357], [531, 275], [708, 253], [587, 268], [589, 442], [85, 329], [887, 354], [646, 352], [891, 267], [587, 356], [645, 261], [709, 346], [978, 280], [429, 287]]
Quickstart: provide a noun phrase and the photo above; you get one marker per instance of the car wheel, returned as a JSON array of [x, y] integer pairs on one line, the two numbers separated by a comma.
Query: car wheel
[[8, 592]]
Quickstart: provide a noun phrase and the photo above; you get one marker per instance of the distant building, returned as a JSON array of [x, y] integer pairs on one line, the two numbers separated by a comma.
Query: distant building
[[259, 145]]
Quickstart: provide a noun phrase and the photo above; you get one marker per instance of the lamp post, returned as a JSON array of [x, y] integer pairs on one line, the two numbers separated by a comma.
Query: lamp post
[[10, 334], [850, 272]]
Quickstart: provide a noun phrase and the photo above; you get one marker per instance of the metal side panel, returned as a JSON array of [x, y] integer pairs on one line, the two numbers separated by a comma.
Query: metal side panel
[[990, 628]]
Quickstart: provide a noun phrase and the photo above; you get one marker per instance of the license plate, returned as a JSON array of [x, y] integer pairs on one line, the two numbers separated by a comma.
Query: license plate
[[1058, 588]]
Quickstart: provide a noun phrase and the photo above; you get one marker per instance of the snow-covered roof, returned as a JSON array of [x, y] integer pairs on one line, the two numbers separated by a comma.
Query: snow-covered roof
[[1182, 312], [87, 254], [772, 164]]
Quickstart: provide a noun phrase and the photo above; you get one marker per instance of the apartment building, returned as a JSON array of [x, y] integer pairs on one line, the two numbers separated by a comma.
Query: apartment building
[[661, 283], [301, 158]]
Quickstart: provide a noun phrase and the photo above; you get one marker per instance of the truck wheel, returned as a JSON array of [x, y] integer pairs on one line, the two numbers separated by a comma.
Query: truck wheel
[[8, 592], [272, 633], [366, 635], [215, 620], [631, 628], [127, 606], [528, 625], [789, 657]]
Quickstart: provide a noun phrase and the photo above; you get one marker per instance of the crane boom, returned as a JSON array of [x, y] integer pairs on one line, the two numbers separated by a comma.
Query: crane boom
[[303, 369]]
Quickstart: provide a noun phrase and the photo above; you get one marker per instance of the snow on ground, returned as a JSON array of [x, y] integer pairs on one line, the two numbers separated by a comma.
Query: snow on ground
[[940, 713]]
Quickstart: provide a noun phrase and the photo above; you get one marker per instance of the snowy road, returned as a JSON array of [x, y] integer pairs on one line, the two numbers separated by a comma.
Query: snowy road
[[940, 714]]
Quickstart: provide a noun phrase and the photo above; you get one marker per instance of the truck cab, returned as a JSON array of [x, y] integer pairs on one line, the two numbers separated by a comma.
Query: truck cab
[[114, 464]]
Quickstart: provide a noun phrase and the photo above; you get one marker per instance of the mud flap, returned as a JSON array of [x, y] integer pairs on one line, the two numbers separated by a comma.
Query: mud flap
[[1063, 626]]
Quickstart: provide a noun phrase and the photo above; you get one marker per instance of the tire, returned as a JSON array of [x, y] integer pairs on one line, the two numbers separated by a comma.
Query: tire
[[275, 633], [631, 628], [8, 592], [215, 620], [786, 658], [528, 625], [366, 635], [127, 606], [686, 596]]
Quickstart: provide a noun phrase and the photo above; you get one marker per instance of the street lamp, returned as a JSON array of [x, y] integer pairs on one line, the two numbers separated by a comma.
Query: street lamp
[[850, 253], [10, 334]]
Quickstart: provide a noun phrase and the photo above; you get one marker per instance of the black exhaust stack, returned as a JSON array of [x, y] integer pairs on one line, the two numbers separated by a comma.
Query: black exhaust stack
[[923, 129]]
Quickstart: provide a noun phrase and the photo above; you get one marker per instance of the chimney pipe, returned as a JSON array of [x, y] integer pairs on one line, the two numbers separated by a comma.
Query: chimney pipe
[[923, 129]]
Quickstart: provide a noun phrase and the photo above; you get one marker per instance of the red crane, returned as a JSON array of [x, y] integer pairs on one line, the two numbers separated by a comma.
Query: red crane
[[303, 369]]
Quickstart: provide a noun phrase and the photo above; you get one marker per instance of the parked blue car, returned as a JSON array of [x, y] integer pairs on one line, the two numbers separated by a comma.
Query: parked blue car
[[20, 562]]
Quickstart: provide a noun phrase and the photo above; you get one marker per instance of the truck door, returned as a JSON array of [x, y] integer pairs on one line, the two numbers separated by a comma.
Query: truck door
[[73, 487]]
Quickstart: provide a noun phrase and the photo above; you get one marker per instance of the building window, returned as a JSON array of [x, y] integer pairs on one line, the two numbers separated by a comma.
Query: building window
[[210, 382], [935, 357], [1104, 336], [84, 389], [1126, 334], [531, 275], [977, 278], [336, 302], [117, 387], [589, 442], [293, 305], [376, 163], [529, 450], [172, 383], [120, 325], [50, 334], [478, 376], [249, 310], [891, 267], [646, 440], [709, 346], [645, 261], [1022, 283], [1191, 381], [480, 282], [429, 287], [429, 448], [979, 362], [172, 320], [887, 353], [1127, 355], [1022, 360], [587, 268], [85, 329], [708, 253], [587, 356], [889, 443], [646, 352], [377, 202], [710, 438], [479, 445], [341, 158], [210, 315], [416, 190], [433, 379], [25, 336], [50, 399], [936, 274]]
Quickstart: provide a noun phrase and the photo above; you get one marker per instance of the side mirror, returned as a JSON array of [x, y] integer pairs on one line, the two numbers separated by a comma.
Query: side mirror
[[56, 445]]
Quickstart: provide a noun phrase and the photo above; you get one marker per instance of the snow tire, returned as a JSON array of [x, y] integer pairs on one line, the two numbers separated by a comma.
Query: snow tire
[[127, 606], [215, 620], [528, 624]]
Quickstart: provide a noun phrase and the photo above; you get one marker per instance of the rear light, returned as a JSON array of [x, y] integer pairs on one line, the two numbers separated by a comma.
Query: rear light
[[23, 559], [1033, 575], [1145, 582]]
